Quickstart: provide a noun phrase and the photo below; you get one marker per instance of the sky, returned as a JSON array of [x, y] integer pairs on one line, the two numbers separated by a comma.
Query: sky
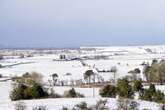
[[74, 23]]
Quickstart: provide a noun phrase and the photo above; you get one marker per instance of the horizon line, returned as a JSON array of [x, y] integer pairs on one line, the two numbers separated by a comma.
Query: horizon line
[[74, 47]]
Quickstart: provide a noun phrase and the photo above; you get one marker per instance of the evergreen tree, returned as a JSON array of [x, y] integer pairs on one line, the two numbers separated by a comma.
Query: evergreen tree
[[108, 91], [124, 89], [137, 85]]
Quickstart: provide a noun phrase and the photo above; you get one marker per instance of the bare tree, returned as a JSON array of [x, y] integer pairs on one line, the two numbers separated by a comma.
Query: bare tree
[[54, 78], [87, 75]]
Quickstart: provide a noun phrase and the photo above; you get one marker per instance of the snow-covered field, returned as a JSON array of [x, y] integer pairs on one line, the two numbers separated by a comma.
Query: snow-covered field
[[124, 58], [58, 104]]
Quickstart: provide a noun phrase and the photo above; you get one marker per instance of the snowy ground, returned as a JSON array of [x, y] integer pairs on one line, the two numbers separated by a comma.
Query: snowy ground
[[127, 58], [58, 104], [46, 66]]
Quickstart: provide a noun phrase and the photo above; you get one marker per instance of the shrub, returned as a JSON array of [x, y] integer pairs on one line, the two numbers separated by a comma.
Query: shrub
[[72, 94], [108, 91], [146, 95], [152, 95], [152, 89], [36, 91], [28, 92], [125, 104], [159, 97], [40, 107], [124, 89], [137, 85], [101, 105], [20, 106], [81, 106], [18, 92]]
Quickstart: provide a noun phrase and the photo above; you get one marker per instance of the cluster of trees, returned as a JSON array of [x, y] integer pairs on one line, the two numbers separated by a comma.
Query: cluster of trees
[[30, 86], [126, 90], [122, 89], [35, 91], [155, 72], [91, 77], [151, 94]]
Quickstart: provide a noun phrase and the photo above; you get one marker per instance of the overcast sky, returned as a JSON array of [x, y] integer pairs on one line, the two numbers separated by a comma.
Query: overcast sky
[[73, 23]]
